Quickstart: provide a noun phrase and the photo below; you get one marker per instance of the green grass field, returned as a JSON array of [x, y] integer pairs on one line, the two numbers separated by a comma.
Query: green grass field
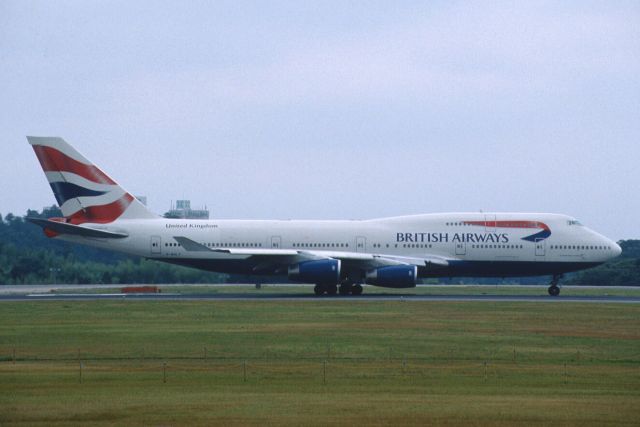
[[318, 362]]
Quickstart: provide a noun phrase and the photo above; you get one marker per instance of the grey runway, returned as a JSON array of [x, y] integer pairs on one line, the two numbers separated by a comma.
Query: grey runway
[[312, 298]]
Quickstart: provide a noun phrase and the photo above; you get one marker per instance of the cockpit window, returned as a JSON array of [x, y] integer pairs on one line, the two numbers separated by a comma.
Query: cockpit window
[[573, 222]]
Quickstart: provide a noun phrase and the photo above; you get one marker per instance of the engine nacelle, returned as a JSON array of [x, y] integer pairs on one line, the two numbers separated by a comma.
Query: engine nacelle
[[395, 276], [322, 271]]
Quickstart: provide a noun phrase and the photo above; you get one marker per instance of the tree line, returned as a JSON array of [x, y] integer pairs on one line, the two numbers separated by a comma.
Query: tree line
[[621, 271], [28, 256]]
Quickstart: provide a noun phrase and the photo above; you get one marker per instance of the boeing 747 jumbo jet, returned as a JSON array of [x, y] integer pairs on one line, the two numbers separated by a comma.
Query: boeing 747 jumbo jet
[[336, 256]]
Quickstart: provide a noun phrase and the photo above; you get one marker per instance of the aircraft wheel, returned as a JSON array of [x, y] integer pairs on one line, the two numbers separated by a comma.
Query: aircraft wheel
[[319, 290], [345, 289], [554, 291], [356, 290], [332, 290]]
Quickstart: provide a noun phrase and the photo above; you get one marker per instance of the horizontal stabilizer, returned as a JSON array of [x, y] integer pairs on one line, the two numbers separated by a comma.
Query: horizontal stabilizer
[[76, 230]]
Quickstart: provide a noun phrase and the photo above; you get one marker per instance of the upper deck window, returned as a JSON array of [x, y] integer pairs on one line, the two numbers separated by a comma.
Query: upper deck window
[[573, 222]]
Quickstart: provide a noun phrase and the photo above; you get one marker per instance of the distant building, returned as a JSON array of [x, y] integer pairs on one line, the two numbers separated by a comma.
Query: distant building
[[183, 210], [142, 199]]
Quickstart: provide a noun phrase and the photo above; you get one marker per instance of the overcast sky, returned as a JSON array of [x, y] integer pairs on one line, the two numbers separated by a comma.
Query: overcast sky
[[329, 110]]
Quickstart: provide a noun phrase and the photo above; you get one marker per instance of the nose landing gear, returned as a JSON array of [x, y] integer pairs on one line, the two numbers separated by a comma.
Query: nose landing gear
[[554, 289]]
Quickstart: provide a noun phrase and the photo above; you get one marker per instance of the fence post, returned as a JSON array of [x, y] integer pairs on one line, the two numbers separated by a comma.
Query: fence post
[[324, 372], [244, 371], [80, 372], [164, 372], [485, 370], [14, 355], [205, 352]]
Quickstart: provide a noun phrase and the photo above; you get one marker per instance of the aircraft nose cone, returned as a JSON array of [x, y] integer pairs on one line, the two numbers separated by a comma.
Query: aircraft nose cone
[[617, 250]]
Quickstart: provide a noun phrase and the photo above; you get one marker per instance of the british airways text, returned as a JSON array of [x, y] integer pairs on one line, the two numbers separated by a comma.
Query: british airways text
[[455, 237]]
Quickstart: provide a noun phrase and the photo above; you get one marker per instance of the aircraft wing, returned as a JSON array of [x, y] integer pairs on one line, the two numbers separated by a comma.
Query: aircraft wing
[[279, 259], [367, 261], [264, 260]]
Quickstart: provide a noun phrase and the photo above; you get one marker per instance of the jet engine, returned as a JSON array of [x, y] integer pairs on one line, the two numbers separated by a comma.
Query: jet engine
[[395, 276], [323, 271]]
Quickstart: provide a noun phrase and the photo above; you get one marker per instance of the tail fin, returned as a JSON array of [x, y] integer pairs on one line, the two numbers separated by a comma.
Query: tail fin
[[84, 193]]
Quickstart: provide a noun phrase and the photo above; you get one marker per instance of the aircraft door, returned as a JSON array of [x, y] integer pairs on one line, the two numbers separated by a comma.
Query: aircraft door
[[490, 223], [461, 248], [156, 242], [540, 247], [361, 244], [276, 242]]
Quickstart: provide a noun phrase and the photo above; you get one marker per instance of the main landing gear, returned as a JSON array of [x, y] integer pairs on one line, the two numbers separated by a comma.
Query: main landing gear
[[350, 288], [346, 288], [321, 289], [554, 289]]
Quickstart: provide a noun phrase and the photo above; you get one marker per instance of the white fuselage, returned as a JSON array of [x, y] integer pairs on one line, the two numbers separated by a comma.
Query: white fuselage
[[392, 252], [486, 244]]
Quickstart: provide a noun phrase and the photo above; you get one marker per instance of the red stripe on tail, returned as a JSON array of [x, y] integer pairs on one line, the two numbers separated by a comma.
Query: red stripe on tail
[[53, 160], [102, 214]]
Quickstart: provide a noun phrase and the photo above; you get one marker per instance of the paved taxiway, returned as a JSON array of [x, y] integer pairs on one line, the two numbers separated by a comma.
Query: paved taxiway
[[107, 292], [299, 297]]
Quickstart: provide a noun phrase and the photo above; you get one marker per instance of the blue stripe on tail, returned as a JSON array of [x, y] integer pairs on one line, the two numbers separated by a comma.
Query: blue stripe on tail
[[65, 191]]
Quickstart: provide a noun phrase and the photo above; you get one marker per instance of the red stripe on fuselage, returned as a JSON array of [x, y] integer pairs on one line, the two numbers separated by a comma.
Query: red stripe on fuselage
[[53, 160], [102, 214], [510, 224]]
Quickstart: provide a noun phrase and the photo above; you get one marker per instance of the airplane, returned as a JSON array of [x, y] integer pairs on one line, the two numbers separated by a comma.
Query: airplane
[[336, 256]]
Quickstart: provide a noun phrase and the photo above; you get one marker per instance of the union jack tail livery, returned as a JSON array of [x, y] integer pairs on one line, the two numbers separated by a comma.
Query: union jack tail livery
[[84, 193]]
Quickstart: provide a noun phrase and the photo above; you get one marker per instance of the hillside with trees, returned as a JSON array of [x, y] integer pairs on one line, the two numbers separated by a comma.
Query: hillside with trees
[[622, 271], [28, 256]]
